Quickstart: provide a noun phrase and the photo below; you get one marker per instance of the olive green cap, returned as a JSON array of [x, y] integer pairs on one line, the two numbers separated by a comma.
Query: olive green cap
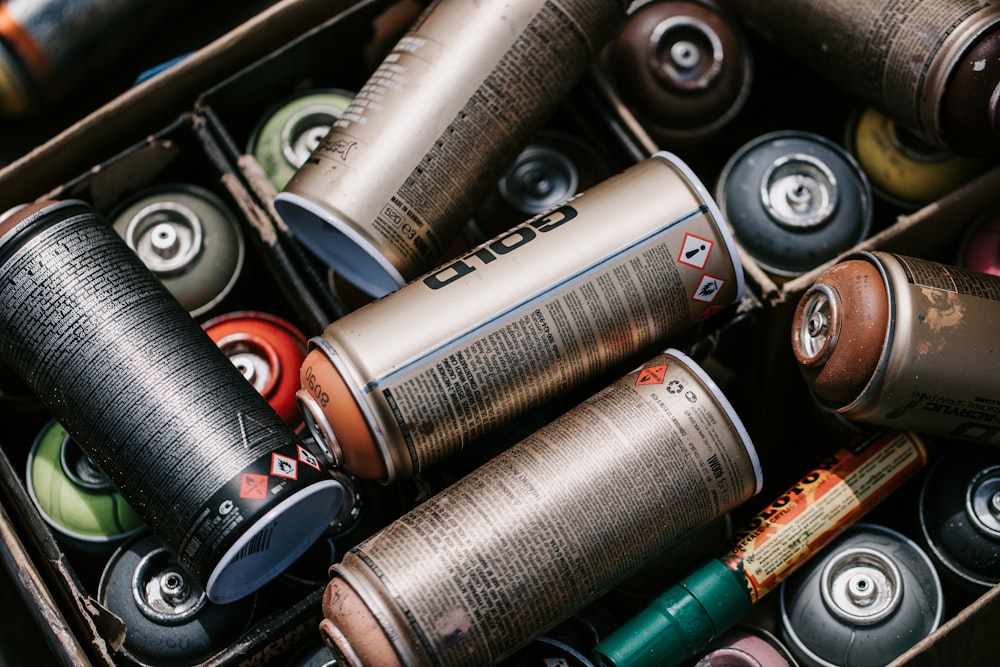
[[680, 623]]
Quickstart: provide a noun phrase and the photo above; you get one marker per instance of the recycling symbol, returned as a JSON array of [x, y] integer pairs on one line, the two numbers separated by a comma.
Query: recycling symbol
[[675, 387]]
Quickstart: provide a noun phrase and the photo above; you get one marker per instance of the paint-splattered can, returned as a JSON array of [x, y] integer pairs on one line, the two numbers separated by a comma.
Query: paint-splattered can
[[74, 496], [268, 351], [553, 168], [979, 249], [288, 134], [683, 67], [188, 237], [959, 514], [866, 599], [168, 618], [508, 550], [794, 200], [926, 64], [133, 378], [903, 169], [747, 646], [433, 127], [908, 343], [519, 321]]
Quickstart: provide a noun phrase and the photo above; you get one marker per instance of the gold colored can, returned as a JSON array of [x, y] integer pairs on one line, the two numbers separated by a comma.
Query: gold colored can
[[519, 321]]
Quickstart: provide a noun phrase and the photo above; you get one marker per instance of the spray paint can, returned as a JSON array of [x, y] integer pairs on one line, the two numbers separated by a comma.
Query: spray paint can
[[169, 621], [682, 621], [188, 237], [979, 249], [746, 646], [794, 200], [268, 351], [463, 90], [959, 515], [132, 377], [865, 600], [287, 134], [903, 169], [508, 550], [74, 496], [886, 339], [925, 64], [553, 168], [683, 67], [519, 321], [48, 48]]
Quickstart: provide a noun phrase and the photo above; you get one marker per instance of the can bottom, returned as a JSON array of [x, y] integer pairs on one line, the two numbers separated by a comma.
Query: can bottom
[[289, 529]]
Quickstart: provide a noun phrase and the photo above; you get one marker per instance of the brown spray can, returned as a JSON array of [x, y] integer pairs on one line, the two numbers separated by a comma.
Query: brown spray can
[[908, 343], [545, 527], [930, 65]]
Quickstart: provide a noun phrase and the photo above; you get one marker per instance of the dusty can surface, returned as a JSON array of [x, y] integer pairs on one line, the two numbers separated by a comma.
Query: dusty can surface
[[488, 563], [959, 515], [401, 171], [903, 342], [684, 67], [197, 452], [924, 63], [794, 200], [188, 237], [519, 321], [864, 600], [168, 618]]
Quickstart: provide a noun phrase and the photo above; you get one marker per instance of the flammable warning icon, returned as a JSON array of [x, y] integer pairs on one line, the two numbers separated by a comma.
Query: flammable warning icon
[[284, 466], [652, 375]]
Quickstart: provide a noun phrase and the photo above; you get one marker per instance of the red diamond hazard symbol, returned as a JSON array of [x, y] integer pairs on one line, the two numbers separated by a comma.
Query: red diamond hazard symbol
[[307, 457], [652, 375], [284, 466], [695, 251], [253, 486]]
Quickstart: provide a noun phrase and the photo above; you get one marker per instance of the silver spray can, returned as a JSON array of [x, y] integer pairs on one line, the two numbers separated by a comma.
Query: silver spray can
[[545, 527], [903, 342], [434, 126], [519, 321]]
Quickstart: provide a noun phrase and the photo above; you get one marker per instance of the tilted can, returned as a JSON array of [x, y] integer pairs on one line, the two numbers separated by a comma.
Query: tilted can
[[410, 379], [865, 600], [195, 450], [547, 526], [922, 63], [909, 343], [406, 164]]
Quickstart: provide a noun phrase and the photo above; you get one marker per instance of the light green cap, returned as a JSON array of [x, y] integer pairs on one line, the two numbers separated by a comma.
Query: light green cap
[[679, 623]]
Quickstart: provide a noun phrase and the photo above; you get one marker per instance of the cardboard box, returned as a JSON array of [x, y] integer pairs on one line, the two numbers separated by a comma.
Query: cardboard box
[[194, 121]]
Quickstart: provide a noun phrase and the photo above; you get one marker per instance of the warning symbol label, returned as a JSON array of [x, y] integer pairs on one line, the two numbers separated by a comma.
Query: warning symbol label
[[253, 486], [652, 375], [695, 251], [710, 310], [708, 288], [284, 466], [307, 457]]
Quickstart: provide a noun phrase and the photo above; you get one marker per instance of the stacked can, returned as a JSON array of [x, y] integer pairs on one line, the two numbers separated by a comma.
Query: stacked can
[[529, 538], [519, 321], [886, 339], [864, 601], [188, 237], [200, 455], [401, 171], [684, 67]]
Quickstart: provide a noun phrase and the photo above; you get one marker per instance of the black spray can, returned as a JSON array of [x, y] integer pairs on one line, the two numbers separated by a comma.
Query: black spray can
[[192, 446], [866, 599]]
